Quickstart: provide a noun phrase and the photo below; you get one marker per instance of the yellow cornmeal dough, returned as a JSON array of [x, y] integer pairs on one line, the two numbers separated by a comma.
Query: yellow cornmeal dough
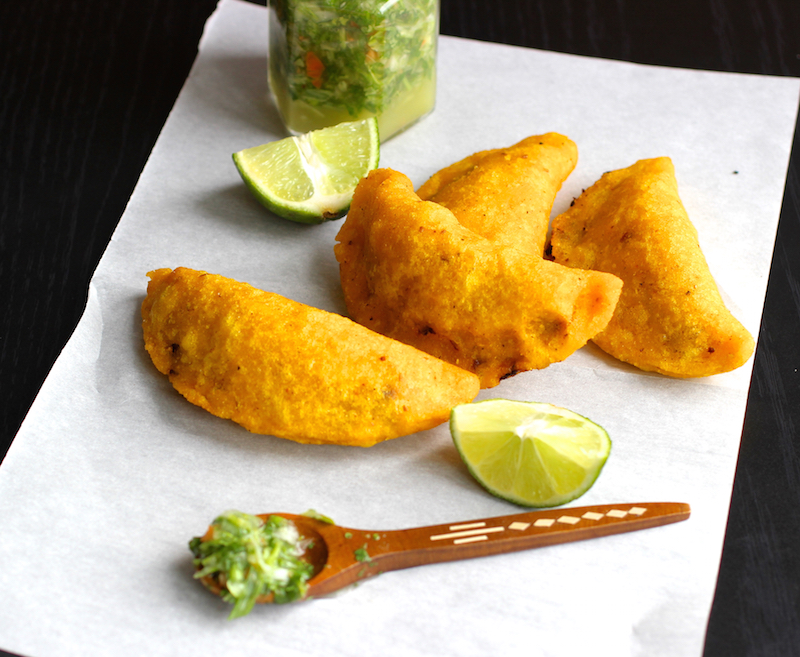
[[411, 271], [279, 367], [506, 194], [670, 317]]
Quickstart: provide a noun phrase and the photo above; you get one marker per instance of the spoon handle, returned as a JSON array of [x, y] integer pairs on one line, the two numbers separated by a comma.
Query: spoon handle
[[374, 552]]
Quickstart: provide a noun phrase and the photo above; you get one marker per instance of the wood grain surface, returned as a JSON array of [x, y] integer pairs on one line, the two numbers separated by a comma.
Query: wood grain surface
[[86, 87]]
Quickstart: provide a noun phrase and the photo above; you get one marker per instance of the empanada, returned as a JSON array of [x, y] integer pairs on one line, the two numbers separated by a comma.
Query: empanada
[[280, 367], [670, 317], [506, 194], [411, 271]]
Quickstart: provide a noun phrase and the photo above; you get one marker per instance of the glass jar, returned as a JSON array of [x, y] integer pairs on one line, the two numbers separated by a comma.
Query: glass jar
[[343, 60]]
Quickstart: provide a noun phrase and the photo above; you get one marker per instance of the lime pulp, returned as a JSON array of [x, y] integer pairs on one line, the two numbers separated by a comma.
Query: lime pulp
[[311, 178], [530, 453]]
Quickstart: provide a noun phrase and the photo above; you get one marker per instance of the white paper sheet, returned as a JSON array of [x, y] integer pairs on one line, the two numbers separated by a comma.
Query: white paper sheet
[[113, 472]]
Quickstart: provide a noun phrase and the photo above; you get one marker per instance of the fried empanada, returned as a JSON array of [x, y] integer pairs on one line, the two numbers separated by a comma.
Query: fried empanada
[[279, 367], [670, 317], [506, 194], [411, 271]]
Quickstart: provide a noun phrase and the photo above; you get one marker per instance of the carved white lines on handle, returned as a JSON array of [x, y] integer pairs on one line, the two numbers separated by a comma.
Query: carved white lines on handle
[[469, 525], [468, 535], [478, 531]]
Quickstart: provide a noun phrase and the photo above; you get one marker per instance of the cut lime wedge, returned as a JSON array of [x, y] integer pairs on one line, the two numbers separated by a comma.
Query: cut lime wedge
[[311, 178], [530, 453]]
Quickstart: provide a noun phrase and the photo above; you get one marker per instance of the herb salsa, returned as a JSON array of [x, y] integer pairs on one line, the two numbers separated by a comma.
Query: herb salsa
[[244, 558], [342, 60]]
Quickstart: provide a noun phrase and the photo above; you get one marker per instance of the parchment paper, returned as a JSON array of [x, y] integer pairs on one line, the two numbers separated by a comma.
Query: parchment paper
[[113, 472]]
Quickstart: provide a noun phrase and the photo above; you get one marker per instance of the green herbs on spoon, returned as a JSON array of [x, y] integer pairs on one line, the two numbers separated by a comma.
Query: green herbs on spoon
[[245, 558]]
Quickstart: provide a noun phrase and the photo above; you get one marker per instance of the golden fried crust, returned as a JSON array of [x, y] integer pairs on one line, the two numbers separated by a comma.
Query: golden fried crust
[[670, 318], [411, 271], [283, 368], [506, 194]]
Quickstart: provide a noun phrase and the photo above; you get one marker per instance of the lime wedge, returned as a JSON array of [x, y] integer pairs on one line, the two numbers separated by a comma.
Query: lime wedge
[[311, 178], [530, 453]]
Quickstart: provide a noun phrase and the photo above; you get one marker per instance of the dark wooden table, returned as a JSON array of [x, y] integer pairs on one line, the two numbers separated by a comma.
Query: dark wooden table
[[86, 87]]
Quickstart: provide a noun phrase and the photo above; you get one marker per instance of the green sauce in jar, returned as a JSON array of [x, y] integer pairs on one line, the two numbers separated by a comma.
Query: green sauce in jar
[[343, 60]]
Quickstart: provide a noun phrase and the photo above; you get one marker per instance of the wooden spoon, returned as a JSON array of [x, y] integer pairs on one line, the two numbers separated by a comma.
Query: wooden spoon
[[342, 556]]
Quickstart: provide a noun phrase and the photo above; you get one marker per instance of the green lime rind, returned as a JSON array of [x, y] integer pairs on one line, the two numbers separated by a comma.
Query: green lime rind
[[533, 454], [311, 178]]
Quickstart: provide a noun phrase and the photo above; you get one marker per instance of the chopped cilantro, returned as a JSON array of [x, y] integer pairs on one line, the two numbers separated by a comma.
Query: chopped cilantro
[[353, 55], [250, 558], [318, 516], [362, 555]]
